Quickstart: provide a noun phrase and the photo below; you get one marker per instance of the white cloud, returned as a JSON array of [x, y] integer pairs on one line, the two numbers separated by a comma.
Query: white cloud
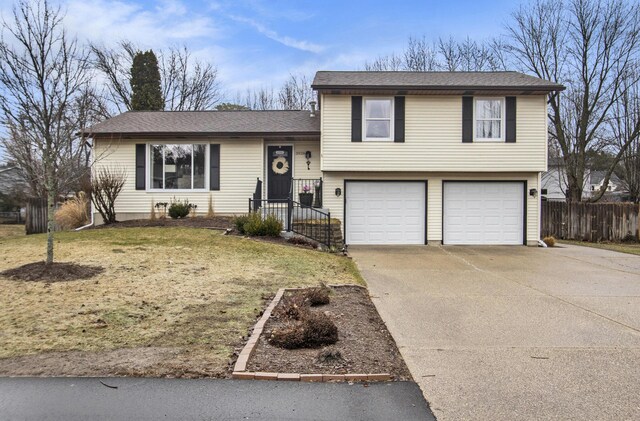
[[106, 21], [282, 39]]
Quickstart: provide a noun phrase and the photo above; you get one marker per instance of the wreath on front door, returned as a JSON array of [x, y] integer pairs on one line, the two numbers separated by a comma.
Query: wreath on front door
[[280, 165]]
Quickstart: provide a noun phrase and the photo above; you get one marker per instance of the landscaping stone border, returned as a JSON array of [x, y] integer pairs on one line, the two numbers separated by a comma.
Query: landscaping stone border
[[240, 368]]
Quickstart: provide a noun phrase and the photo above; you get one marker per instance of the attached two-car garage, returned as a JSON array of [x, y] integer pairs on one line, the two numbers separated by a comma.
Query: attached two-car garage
[[473, 212]]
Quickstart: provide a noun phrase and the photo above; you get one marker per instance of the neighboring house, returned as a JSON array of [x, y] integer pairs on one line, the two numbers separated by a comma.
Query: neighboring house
[[554, 182], [404, 157], [12, 182], [614, 188]]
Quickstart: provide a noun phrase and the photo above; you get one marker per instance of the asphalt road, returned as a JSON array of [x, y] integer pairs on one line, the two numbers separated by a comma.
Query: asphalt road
[[72, 399]]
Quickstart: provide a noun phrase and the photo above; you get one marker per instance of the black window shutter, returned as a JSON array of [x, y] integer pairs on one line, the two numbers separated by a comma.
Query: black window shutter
[[510, 114], [467, 119], [399, 119], [356, 119], [214, 167], [141, 161]]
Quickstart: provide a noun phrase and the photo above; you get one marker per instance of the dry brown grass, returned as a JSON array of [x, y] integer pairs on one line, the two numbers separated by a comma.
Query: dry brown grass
[[193, 291], [10, 230], [629, 248]]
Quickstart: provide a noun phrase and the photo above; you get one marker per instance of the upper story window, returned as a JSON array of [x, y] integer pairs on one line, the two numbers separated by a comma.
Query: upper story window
[[489, 119], [378, 119], [177, 167]]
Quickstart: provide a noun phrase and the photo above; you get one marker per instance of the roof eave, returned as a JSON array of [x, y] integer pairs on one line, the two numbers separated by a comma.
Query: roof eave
[[203, 134], [439, 88]]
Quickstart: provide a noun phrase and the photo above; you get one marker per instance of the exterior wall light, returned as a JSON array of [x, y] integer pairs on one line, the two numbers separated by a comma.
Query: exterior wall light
[[338, 192], [533, 192]]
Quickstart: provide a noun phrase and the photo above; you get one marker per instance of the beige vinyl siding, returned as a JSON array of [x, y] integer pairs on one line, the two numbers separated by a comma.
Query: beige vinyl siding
[[433, 139], [241, 163], [333, 180]]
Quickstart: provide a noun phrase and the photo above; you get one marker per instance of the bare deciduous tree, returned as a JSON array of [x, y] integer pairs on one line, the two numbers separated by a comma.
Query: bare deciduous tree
[[188, 84], [42, 72], [588, 45], [625, 128], [468, 56], [295, 93], [420, 55]]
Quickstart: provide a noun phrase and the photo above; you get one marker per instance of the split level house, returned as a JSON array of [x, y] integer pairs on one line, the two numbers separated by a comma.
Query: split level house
[[393, 157]]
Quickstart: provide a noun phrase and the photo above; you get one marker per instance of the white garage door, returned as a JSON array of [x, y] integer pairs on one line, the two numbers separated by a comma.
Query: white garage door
[[385, 212], [483, 213]]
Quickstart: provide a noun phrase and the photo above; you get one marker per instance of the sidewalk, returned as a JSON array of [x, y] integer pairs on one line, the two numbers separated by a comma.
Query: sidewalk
[[206, 399]]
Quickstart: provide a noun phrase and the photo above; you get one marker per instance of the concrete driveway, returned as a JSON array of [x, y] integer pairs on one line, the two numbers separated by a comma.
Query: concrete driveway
[[514, 333]]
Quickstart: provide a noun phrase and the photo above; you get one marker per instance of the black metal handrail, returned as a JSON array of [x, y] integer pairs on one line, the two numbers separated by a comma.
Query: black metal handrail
[[310, 222], [303, 220], [311, 188]]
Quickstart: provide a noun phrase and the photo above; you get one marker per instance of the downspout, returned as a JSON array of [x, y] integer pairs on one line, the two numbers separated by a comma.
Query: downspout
[[90, 223]]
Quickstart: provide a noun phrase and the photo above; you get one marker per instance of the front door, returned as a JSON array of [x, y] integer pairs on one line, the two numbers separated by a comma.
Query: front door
[[279, 172]]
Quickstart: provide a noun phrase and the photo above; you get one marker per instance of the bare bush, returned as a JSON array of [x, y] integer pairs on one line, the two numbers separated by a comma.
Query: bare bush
[[106, 185]]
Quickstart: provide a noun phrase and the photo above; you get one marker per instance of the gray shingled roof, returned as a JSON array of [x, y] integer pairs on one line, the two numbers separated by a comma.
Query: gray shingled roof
[[223, 123], [431, 80]]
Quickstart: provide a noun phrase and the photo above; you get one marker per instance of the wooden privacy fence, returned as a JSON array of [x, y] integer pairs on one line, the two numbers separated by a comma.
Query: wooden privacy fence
[[590, 221], [36, 216]]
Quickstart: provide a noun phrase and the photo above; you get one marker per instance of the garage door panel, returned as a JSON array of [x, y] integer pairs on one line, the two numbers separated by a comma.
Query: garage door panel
[[483, 212], [393, 212]]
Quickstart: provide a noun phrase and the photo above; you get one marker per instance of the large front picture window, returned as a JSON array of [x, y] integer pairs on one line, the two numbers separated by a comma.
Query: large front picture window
[[489, 116], [178, 167], [378, 121]]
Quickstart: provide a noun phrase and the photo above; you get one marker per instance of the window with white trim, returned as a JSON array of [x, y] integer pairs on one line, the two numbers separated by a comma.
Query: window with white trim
[[489, 119], [177, 167], [378, 119]]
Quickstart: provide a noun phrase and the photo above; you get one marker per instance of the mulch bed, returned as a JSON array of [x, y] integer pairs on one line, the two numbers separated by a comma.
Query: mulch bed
[[364, 342], [54, 272], [222, 222]]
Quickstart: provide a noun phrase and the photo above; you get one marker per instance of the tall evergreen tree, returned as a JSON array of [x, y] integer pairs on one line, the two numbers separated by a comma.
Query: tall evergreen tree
[[146, 91]]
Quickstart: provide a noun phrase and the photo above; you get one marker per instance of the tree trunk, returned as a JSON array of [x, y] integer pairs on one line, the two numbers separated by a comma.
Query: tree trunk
[[51, 202]]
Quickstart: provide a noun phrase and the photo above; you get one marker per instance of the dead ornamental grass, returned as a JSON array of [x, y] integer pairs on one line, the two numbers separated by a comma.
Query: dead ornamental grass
[[193, 291]]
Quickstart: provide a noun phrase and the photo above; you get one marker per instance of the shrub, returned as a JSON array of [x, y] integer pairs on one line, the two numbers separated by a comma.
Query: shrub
[[329, 356], [293, 307], [314, 330], [288, 336], [318, 296], [179, 208], [271, 226], [255, 225], [239, 222], [630, 238], [210, 212], [549, 241], [73, 213], [319, 330], [106, 185]]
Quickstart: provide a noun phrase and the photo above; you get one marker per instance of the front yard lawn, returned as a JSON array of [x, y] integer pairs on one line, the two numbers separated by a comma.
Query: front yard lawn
[[170, 302], [630, 248], [11, 230]]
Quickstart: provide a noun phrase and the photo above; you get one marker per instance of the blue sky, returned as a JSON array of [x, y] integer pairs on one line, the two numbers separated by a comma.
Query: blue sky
[[260, 42]]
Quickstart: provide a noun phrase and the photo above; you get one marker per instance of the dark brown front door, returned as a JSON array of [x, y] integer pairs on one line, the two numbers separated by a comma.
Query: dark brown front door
[[280, 170]]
